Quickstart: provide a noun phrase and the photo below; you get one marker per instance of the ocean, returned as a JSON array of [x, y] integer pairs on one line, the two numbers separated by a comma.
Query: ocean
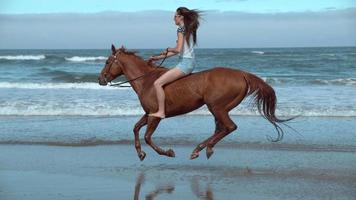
[[308, 81], [40, 84]]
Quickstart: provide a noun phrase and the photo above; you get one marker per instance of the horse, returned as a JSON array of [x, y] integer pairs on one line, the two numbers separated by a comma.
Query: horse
[[219, 88]]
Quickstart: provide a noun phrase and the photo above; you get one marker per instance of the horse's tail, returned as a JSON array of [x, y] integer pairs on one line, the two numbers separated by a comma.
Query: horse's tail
[[265, 99]]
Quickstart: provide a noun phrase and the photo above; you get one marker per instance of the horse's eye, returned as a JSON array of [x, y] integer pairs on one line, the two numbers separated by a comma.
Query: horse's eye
[[107, 62]]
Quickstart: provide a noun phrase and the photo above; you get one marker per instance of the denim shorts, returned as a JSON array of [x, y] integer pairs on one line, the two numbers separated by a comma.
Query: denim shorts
[[186, 65]]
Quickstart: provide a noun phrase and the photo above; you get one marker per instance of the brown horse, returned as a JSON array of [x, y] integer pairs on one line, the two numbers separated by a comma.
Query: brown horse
[[220, 88]]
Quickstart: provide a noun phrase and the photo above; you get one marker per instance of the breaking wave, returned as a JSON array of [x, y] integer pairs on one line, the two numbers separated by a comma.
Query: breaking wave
[[22, 57], [84, 58]]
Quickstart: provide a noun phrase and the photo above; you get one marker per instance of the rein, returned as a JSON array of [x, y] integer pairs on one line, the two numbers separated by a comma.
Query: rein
[[119, 84]]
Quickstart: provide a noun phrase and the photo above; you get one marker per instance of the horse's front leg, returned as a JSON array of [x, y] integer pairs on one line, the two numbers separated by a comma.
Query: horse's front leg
[[152, 124], [143, 121]]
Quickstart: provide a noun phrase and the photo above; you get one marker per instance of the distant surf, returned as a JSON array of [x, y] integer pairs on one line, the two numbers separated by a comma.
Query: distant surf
[[83, 59], [34, 86], [258, 52], [22, 57]]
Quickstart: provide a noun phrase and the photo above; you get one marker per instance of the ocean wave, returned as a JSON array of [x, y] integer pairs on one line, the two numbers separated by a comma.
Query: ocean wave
[[306, 81], [69, 142], [327, 54], [97, 108], [23, 57], [258, 52], [92, 86], [53, 57], [85, 58], [341, 81], [69, 77]]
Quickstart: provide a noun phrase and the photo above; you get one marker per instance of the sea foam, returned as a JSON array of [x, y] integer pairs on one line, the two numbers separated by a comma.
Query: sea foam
[[92, 86], [84, 59], [23, 57]]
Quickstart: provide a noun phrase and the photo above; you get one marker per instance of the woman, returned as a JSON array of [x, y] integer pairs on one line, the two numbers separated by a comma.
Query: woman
[[188, 22]]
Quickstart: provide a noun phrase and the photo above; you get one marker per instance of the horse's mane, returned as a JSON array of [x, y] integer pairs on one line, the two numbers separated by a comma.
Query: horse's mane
[[124, 50], [128, 52]]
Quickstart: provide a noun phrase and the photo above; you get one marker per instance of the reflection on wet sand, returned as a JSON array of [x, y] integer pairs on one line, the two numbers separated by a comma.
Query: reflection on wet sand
[[207, 194]]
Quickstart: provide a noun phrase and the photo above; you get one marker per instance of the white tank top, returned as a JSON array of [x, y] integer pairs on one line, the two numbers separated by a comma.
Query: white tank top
[[188, 51]]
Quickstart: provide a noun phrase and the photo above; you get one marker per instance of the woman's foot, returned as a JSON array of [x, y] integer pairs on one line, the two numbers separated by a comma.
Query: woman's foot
[[157, 114]]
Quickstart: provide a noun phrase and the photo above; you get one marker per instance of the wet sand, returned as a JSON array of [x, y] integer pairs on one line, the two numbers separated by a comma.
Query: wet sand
[[115, 172]]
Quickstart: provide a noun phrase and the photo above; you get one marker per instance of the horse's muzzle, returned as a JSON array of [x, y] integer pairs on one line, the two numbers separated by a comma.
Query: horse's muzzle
[[102, 81]]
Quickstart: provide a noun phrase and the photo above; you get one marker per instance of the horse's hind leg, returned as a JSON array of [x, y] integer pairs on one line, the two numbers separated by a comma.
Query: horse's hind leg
[[221, 113], [151, 127], [203, 144], [228, 127], [143, 121]]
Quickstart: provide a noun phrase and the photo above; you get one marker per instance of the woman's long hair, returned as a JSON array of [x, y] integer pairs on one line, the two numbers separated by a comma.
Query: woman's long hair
[[191, 22]]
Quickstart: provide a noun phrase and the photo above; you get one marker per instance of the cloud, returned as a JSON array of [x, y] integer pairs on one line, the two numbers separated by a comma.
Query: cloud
[[156, 29]]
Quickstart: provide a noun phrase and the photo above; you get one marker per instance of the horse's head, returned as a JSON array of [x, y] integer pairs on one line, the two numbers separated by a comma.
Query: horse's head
[[113, 67]]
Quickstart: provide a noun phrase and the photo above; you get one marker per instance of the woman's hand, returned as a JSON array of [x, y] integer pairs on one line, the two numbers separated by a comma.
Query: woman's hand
[[154, 58], [165, 51], [161, 56]]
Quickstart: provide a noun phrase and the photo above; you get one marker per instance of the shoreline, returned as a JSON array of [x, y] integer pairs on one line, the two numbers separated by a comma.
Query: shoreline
[[222, 144], [314, 133]]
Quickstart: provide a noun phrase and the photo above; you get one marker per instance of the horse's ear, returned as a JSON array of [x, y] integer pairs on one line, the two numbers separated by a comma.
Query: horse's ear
[[113, 48]]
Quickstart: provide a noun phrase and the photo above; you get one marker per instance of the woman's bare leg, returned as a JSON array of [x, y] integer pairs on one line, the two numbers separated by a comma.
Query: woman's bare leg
[[167, 77]]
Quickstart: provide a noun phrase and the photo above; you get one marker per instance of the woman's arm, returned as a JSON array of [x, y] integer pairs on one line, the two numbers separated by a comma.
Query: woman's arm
[[179, 45], [172, 51]]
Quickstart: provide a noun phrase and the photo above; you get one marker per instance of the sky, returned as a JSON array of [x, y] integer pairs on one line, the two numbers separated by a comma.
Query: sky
[[255, 6], [38, 24]]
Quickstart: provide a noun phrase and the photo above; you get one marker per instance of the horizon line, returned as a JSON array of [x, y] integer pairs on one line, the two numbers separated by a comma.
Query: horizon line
[[164, 48], [162, 10]]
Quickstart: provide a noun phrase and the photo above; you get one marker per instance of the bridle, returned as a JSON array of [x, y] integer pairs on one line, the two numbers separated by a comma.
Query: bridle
[[119, 84]]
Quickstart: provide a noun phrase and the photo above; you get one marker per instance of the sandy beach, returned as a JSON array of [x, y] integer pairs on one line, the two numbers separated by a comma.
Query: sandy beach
[[252, 168], [114, 172]]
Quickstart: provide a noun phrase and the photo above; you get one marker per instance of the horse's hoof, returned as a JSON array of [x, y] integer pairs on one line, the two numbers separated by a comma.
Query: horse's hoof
[[171, 153], [142, 155], [209, 152], [194, 156]]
